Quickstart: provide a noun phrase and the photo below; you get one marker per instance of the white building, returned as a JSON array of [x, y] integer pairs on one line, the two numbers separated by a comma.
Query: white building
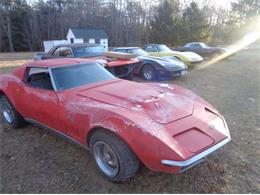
[[51, 43], [82, 35]]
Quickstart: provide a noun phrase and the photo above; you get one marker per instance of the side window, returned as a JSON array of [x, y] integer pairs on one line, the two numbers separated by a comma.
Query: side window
[[57, 51], [195, 46], [63, 52], [121, 50], [151, 49], [39, 78], [129, 51], [188, 45]]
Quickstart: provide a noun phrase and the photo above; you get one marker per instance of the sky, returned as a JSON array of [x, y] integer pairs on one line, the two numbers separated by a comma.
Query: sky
[[223, 3], [217, 3], [226, 4]]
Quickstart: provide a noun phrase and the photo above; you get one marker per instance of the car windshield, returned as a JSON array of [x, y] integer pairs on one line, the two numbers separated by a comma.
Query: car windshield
[[79, 75], [164, 48], [88, 51], [139, 52], [204, 45]]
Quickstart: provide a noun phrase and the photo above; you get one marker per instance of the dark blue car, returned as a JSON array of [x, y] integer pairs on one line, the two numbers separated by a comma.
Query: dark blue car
[[155, 68]]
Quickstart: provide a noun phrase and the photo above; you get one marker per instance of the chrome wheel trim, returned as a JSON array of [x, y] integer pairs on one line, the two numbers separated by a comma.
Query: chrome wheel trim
[[106, 158], [7, 113], [148, 73]]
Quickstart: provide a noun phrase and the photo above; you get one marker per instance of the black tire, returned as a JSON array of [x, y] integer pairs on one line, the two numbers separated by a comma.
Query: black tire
[[9, 115], [130, 77], [127, 162], [148, 72]]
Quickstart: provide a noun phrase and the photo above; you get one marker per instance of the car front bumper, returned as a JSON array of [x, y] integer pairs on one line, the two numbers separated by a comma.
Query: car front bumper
[[165, 75], [195, 159]]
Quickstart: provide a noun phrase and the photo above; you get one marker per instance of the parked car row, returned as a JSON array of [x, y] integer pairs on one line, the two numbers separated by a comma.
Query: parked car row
[[154, 62]]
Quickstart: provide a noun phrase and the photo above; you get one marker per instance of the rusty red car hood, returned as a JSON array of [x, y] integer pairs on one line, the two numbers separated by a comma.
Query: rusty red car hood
[[158, 103]]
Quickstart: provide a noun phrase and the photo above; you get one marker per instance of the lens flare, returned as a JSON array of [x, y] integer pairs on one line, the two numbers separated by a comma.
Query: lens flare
[[247, 40]]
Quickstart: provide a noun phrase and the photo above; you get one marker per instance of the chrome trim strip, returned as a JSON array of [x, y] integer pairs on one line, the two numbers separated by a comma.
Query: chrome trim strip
[[190, 166], [52, 80], [196, 157]]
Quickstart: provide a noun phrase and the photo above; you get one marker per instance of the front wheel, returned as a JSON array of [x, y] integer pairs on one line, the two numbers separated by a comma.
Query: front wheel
[[9, 115], [149, 72], [113, 157], [130, 77]]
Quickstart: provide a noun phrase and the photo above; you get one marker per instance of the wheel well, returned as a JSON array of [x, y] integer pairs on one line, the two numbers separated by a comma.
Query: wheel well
[[1, 93], [147, 64], [92, 131]]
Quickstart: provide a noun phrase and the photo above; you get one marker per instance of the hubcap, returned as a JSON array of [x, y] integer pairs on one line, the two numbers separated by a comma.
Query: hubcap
[[106, 158], [148, 73], [7, 113]]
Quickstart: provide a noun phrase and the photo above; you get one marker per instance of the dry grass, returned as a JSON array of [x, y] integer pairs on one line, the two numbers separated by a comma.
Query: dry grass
[[8, 61], [17, 56]]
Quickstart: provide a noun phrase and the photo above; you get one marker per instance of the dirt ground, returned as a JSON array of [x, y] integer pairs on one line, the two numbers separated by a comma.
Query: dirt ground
[[34, 161]]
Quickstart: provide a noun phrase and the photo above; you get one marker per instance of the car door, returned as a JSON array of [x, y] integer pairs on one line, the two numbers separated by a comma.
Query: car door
[[40, 99]]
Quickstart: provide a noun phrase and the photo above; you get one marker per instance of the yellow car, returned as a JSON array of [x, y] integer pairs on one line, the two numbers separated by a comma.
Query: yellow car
[[160, 50]]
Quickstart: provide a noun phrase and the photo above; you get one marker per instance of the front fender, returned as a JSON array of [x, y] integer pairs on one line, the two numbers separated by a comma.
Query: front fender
[[146, 138], [156, 66]]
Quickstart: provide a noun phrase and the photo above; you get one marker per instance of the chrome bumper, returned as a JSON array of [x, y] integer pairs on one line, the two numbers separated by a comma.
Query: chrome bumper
[[197, 158]]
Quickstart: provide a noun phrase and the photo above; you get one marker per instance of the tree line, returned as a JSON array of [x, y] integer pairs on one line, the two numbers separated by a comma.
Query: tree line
[[24, 24]]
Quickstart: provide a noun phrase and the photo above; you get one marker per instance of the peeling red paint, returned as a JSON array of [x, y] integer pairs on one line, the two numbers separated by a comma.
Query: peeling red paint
[[145, 116]]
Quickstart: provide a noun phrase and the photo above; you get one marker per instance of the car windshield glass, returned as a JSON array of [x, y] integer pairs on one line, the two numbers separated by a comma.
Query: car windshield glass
[[79, 75], [164, 48], [139, 52], [88, 51], [204, 45]]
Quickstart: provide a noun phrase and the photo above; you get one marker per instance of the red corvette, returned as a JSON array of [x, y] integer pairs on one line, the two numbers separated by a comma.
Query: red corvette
[[123, 123]]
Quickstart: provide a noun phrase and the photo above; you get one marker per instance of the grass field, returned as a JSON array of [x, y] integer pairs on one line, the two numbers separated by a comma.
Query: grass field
[[34, 161]]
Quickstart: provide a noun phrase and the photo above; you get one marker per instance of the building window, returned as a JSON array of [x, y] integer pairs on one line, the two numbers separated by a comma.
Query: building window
[[71, 40]]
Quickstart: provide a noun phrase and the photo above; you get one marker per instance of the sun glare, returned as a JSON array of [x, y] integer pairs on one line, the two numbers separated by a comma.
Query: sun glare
[[247, 40]]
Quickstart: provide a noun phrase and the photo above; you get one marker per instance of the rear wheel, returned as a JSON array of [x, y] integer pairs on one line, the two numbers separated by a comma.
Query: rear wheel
[[148, 72], [9, 115], [113, 157]]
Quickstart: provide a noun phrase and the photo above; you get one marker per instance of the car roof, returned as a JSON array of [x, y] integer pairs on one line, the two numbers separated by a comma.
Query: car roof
[[153, 44], [58, 62], [77, 45], [195, 43], [127, 48]]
